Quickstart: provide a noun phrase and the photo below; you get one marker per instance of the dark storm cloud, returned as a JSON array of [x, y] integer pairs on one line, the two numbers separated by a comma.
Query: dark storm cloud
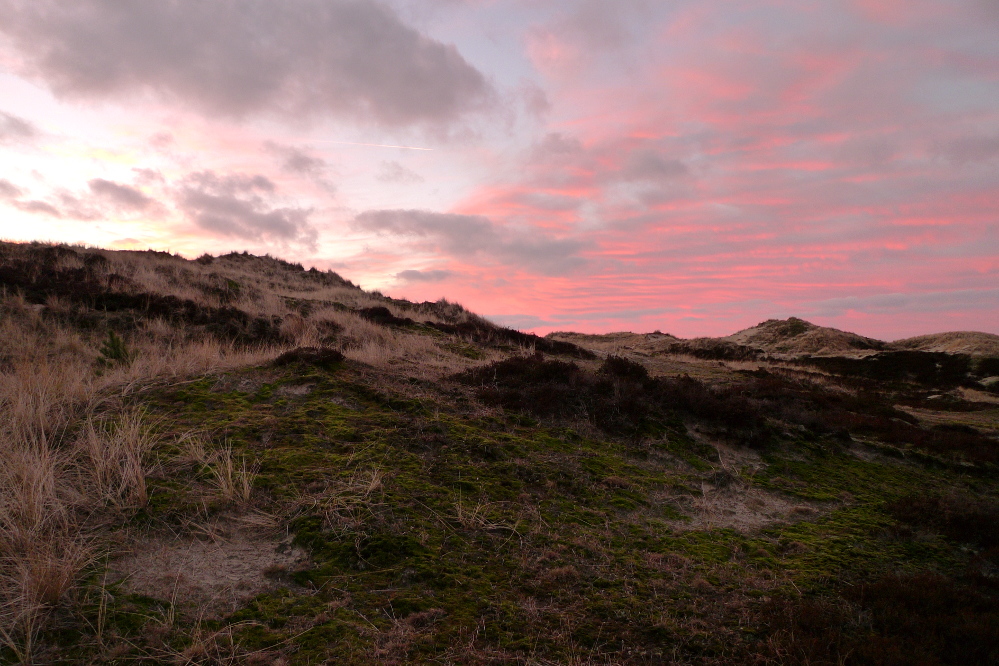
[[238, 205], [9, 190], [423, 276], [120, 196], [13, 128], [470, 236], [352, 58]]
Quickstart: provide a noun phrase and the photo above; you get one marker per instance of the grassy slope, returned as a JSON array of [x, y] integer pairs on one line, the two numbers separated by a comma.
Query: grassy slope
[[440, 529]]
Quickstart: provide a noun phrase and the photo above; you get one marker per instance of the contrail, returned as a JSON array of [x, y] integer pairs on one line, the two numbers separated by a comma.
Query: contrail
[[375, 145]]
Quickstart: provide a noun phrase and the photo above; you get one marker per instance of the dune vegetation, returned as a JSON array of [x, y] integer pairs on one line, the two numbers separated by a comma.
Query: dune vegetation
[[235, 460]]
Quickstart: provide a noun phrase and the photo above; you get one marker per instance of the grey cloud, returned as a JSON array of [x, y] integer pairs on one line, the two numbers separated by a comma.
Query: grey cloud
[[520, 322], [933, 301], [9, 190], [351, 58], [423, 276], [472, 236], [13, 129], [104, 197], [536, 100], [462, 235], [546, 201], [38, 207], [146, 176], [970, 149], [297, 160], [870, 152], [237, 205], [555, 145], [161, 140], [120, 196], [231, 184], [596, 31], [598, 24], [393, 172], [89, 208], [647, 165]]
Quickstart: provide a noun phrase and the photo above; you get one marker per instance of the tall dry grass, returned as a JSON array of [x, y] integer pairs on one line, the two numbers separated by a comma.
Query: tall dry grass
[[73, 458], [261, 286]]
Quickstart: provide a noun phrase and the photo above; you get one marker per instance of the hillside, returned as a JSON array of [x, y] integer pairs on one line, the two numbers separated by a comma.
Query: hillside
[[958, 342], [235, 460], [795, 337]]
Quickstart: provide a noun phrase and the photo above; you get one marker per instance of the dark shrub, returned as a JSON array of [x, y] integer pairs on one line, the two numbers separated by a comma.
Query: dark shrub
[[896, 620], [482, 332], [532, 384], [715, 350], [320, 357], [958, 517], [620, 398], [617, 366], [931, 368], [866, 412], [115, 352], [37, 281], [382, 315]]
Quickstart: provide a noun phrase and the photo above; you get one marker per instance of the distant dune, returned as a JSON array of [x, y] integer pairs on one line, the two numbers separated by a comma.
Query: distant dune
[[957, 342], [795, 337], [786, 337]]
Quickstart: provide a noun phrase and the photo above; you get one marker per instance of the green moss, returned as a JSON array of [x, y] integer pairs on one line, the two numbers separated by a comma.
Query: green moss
[[518, 538]]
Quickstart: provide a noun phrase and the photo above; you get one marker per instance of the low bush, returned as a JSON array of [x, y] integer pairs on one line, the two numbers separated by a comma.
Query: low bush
[[958, 517], [863, 412], [620, 398], [483, 332], [896, 620], [320, 357]]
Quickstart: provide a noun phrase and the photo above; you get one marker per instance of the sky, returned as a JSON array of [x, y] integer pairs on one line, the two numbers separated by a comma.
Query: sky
[[688, 166]]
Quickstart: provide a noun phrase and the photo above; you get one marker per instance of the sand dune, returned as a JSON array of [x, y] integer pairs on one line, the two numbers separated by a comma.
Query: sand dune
[[956, 342], [788, 337]]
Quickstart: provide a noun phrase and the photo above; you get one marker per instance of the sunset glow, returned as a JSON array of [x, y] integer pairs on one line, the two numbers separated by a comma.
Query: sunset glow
[[692, 167]]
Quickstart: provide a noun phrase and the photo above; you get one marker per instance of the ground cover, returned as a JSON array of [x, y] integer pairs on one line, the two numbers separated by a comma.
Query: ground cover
[[459, 498]]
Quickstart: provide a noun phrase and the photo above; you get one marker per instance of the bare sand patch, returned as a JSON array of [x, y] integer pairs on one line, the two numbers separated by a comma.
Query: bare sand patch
[[745, 509], [728, 500], [208, 577]]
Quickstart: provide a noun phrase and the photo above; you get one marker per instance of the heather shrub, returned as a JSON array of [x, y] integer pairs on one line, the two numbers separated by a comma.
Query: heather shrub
[[620, 398], [958, 517], [896, 620]]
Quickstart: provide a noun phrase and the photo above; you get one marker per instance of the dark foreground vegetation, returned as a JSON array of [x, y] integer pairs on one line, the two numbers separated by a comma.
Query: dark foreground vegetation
[[239, 461]]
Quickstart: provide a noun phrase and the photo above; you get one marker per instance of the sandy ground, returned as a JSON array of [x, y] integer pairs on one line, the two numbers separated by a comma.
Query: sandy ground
[[208, 577]]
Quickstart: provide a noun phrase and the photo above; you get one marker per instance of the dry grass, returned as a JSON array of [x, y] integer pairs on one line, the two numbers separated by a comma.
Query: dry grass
[[231, 476], [74, 457], [366, 342], [71, 459], [257, 285], [113, 459]]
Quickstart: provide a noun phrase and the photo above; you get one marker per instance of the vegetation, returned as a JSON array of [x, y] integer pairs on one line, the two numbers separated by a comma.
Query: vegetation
[[237, 460]]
